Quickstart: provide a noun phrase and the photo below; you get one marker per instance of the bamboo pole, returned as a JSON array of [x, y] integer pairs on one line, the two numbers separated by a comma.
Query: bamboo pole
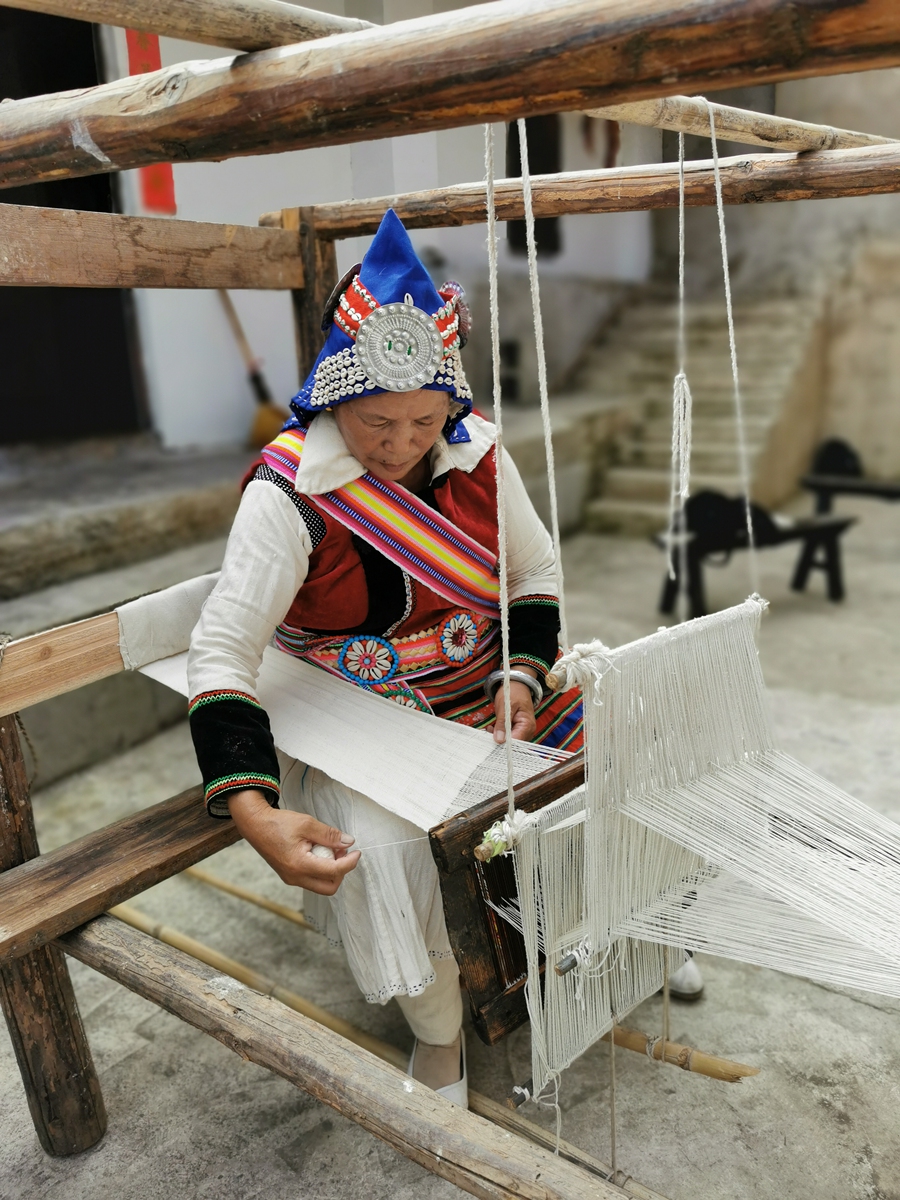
[[238, 24], [482, 1105], [685, 1057], [746, 179], [689, 114], [242, 893], [253, 979], [495, 61]]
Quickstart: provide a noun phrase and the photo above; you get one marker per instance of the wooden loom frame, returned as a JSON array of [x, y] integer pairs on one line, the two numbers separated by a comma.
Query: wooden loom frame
[[46, 899]]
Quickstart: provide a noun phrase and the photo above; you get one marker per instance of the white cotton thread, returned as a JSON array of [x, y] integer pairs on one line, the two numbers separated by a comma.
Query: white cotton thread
[[501, 478], [740, 429], [534, 284], [682, 421]]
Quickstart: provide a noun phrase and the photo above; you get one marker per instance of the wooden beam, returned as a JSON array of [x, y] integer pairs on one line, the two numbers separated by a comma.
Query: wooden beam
[[47, 664], [320, 273], [746, 179], [56, 247], [491, 62], [453, 842], [689, 114], [238, 24], [491, 1110], [447, 1140], [54, 893], [36, 995]]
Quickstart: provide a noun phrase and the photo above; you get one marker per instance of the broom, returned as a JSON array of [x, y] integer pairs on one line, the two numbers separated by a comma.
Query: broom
[[269, 416]]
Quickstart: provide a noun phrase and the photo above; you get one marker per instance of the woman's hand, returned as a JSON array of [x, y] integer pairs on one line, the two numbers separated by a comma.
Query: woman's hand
[[521, 712], [285, 840]]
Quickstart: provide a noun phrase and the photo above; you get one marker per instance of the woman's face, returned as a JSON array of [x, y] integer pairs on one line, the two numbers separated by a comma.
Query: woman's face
[[390, 434]]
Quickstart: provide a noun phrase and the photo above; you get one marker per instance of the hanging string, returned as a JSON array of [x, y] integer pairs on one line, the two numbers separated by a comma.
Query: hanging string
[[682, 419], [612, 1100], [743, 459], [501, 475], [542, 375]]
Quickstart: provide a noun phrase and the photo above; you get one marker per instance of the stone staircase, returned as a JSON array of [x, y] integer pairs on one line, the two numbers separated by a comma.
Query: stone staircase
[[780, 354]]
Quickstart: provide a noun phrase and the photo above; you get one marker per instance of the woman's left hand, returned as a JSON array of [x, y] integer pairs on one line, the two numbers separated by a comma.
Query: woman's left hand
[[521, 706]]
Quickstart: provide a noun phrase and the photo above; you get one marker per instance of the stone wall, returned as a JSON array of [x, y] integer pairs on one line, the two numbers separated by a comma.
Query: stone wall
[[862, 390]]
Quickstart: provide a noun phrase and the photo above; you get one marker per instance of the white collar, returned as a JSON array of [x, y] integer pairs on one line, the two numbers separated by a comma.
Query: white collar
[[327, 464]]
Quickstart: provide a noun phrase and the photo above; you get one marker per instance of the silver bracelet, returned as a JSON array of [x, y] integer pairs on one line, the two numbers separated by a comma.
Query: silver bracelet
[[495, 678]]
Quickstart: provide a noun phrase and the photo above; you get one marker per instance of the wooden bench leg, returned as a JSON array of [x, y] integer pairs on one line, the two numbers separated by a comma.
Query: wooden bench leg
[[821, 554], [669, 592], [805, 563], [696, 590], [37, 998], [833, 568]]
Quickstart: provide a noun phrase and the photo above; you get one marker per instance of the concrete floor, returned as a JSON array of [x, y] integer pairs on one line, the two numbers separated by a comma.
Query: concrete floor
[[189, 1119]]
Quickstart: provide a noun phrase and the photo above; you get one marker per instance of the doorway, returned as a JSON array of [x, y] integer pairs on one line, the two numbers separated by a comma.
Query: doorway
[[69, 355]]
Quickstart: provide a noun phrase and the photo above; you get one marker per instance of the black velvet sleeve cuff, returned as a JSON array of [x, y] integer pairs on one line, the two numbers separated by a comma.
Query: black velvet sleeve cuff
[[533, 632], [234, 748]]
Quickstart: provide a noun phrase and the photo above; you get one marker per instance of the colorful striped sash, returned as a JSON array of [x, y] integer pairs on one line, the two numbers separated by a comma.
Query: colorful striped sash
[[411, 534]]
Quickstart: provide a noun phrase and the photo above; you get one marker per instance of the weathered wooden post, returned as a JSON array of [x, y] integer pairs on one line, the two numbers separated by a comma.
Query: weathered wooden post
[[37, 997], [319, 277]]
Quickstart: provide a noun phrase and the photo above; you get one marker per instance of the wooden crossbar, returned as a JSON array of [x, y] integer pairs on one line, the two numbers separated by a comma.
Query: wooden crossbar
[[690, 114], [492, 62], [56, 247], [58, 660], [746, 179], [53, 893], [239, 24], [446, 1139]]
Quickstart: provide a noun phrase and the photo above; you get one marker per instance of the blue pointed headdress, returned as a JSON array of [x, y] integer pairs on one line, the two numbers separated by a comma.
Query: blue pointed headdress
[[389, 329]]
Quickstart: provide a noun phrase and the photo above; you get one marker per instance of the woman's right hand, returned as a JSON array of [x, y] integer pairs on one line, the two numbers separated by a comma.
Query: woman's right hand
[[285, 840]]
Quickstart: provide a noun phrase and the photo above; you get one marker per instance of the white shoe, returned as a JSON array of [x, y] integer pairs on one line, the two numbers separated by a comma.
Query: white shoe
[[686, 983], [456, 1093]]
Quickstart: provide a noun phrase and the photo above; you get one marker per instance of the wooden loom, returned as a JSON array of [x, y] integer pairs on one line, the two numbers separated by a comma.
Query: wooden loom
[[46, 900]]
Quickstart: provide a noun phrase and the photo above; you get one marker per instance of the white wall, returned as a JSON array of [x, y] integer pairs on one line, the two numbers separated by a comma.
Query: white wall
[[196, 381]]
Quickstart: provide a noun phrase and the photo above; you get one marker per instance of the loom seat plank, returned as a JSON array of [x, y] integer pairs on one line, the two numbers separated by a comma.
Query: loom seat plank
[[53, 893]]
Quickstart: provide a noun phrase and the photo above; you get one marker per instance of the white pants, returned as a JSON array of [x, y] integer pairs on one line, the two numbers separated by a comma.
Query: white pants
[[387, 912]]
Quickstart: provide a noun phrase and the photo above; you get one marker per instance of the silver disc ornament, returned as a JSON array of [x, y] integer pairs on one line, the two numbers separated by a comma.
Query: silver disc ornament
[[400, 347]]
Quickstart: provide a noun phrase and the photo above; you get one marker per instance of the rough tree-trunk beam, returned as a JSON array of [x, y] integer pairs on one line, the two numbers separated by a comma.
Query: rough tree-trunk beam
[[687, 114], [447, 1140], [746, 179], [492, 62], [56, 247], [499, 1114], [238, 24]]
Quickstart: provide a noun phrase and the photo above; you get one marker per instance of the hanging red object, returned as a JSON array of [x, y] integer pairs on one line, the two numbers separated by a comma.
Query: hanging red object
[[157, 183]]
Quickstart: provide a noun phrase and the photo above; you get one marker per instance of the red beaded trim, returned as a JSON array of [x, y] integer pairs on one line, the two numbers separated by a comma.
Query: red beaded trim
[[357, 302]]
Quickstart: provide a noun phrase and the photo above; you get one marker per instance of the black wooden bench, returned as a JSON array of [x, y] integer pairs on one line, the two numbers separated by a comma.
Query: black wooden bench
[[716, 526], [838, 471]]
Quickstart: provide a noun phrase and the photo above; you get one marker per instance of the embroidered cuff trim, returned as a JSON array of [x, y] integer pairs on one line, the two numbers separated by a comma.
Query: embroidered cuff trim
[[549, 601], [213, 697], [238, 783], [530, 660]]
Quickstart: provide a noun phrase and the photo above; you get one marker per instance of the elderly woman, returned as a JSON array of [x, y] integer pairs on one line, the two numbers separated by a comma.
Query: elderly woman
[[366, 543]]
